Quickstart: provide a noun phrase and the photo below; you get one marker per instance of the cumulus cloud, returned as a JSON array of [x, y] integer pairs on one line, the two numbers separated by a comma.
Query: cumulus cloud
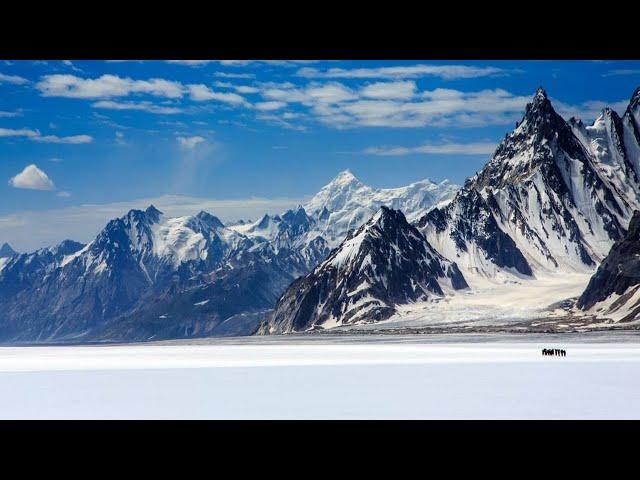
[[190, 143], [202, 93], [32, 178], [315, 93], [13, 79], [106, 86], [477, 148], [390, 90], [245, 89], [140, 106], [272, 105], [398, 105], [447, 72]]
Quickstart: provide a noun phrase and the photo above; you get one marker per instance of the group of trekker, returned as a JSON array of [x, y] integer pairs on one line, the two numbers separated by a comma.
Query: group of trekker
[[554, 351]]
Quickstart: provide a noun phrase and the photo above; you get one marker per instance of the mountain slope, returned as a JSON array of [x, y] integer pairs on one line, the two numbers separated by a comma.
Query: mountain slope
[[614, 290], [555, 196], [384, 263]]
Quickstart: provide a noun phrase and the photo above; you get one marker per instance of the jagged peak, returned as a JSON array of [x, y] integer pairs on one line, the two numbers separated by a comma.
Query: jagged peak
[[541, 95], [540, 103], [152, 210], [387, 216], [6, 250], [295, 214], [264, 221], [209, 219], [67, 247]]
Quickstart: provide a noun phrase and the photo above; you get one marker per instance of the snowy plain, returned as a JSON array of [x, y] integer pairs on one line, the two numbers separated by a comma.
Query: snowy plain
[[318, 377]]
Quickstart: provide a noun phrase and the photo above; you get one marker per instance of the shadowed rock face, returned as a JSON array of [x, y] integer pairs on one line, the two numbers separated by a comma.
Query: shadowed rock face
[[618, 273], [384, 263]]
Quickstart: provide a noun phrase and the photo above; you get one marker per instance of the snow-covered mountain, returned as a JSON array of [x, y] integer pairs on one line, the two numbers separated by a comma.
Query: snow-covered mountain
[[305, 235], [292, 236], [383, 263], [346, 203], [148, 276], [555, 196], [173, 276], [614, 290]]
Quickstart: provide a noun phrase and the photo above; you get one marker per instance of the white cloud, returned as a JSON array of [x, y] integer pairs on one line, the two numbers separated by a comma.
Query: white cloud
[[63, 194], [398, 105], [234, 75], [202, 93], [272, 105], [435, 108], [315, 93], [446, 72], [477, 148], [21, 132], [140, 106], [71, 140], [106, 86], [13, 79], [245, 89], [32, 178], [190, 143], [35, 136], [390, 90]]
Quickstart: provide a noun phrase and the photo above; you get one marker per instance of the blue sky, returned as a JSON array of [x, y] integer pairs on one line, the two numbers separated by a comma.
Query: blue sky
[[107, 135]]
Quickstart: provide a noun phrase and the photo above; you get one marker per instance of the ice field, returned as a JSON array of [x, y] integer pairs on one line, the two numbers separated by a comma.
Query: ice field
[[410, 377]]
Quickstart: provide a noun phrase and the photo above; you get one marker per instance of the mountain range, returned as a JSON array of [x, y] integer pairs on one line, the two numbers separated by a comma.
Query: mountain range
[[146, 276], [556, 196]]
